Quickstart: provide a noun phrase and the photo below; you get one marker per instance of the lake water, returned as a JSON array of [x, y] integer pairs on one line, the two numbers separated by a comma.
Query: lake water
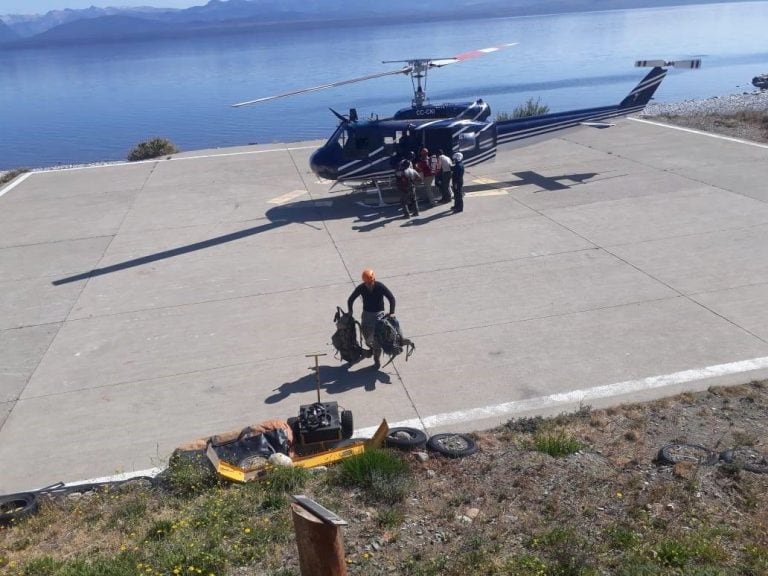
[[93, 103]]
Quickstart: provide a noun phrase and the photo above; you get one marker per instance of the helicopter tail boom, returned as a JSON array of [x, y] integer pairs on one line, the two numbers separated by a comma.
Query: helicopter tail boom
[[524, 131]]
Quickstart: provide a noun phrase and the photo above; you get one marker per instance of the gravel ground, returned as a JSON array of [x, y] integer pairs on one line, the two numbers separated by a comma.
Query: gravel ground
[[743, 116]]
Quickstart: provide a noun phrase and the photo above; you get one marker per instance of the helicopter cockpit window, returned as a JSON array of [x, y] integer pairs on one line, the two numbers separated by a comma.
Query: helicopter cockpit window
[[339, 137], [360, 143]]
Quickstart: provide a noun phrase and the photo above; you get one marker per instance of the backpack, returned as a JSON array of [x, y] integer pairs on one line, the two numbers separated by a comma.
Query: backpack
[[389, 336], [346, 339]]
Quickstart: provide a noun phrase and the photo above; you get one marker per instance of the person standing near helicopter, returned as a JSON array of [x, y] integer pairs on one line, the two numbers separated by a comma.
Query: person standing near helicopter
[[427, 176], [444, 170], [405, 179], [457, 175], [373, 294]]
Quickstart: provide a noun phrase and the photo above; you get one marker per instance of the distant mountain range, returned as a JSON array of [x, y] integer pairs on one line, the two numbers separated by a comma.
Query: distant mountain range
[[93, 25]]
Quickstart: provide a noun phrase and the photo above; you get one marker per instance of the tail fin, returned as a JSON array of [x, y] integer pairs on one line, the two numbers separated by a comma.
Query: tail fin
[[643, 92]]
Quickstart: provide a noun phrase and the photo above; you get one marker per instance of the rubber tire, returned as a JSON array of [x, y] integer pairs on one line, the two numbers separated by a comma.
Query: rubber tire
[[458, 445], [347, 424], [667, 454], [416, 438], [730, 456], [14, 507]]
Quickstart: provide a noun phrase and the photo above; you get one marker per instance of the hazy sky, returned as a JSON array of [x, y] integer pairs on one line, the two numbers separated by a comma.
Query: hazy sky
[[43, 6]]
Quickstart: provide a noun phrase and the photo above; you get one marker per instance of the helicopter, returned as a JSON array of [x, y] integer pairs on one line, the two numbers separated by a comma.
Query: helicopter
[[365, 149]]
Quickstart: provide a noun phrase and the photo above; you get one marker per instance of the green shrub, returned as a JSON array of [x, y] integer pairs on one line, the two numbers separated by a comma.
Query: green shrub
[[10, 175], [530, 108], [189, 474], [153, 148]]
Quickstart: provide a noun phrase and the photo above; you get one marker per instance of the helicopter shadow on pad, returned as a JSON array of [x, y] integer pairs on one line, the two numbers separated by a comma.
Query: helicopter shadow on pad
[[308, 212], [333, 380], [552, 183], [546, 183]]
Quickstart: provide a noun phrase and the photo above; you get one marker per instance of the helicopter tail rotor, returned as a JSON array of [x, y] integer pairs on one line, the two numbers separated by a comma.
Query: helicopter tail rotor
[[690, 64]]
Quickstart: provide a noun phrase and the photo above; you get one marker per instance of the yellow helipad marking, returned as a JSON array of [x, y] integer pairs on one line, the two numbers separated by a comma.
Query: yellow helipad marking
[[287, 197], [484, 180], [491, 192]]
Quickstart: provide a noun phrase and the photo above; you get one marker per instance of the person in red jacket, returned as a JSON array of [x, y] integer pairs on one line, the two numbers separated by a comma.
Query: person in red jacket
[[423, 167]]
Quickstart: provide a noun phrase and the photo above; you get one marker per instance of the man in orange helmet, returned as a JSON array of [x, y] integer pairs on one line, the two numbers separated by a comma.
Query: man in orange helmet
[[373, 293]]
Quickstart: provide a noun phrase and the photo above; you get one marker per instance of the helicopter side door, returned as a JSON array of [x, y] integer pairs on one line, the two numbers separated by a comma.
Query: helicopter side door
[[438, 139]]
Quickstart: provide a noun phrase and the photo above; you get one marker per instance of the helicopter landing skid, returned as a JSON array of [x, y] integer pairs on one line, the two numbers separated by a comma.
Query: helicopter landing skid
[[376, 189]]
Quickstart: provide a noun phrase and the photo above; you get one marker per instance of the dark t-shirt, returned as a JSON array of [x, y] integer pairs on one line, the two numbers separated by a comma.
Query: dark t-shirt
[[373, 300]]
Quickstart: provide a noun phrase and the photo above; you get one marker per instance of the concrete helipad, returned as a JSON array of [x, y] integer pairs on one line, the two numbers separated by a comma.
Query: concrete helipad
[[145, 305]]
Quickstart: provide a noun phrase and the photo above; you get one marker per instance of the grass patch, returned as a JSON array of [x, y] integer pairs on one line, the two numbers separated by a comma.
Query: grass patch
[[556, 444], [382, 474]]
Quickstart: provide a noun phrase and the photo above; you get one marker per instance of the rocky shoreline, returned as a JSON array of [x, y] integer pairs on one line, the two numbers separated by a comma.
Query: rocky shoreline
[[756, 101]]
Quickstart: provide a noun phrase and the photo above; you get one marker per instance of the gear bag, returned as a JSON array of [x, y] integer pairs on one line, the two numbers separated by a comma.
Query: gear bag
[[389, 337], [347, 339]]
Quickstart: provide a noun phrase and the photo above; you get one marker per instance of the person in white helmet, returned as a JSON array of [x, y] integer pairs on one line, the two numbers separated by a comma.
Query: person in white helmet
[[457, 182]]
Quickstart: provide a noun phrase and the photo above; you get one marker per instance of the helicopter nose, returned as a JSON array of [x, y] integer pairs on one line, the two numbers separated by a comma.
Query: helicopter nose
[[321, 163]]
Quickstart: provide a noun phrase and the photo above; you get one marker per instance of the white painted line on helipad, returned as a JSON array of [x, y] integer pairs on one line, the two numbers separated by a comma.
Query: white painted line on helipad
[[15, 183], [150, 472], [287, 197], [168, 159], [606, 391], [701, 132]]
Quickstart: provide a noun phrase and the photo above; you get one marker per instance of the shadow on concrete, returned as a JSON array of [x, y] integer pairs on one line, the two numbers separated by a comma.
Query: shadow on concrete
[[309, 211], [549, 183], [304, 212], [333, 380]]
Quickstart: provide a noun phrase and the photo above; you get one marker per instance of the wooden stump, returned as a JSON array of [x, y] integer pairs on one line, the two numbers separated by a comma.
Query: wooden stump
[[321, 547]]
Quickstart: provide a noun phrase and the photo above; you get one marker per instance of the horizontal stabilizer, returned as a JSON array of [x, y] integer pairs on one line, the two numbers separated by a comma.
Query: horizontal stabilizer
[[695, 63]]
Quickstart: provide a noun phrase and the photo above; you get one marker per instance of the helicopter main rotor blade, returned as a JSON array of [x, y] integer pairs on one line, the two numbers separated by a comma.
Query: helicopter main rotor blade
[[439, 62], [403, 70]]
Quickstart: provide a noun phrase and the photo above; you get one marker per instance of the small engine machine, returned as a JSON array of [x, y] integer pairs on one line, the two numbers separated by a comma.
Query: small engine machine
[[319, 424], [322, 425]]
